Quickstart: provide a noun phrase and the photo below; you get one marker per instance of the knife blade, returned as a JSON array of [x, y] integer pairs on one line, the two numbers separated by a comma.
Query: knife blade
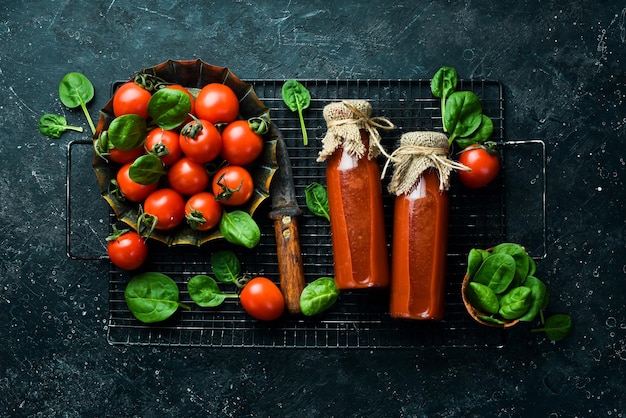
[[284, 211]]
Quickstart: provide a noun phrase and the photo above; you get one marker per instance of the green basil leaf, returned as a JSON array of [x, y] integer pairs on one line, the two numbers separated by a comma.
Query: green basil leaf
[[482, 134], [497, 272], [474, 259], [515, 303], [538, 298], [297, 98], [75, 90], [316, 197], [127, 132], [521, 258], [239, 228], [482, 298], [53, 126], [444, 82], [205, 292], [225, 266], [463, 114], [557, 327], [169, 108], [318, 296], [152, 297], [146, 169]]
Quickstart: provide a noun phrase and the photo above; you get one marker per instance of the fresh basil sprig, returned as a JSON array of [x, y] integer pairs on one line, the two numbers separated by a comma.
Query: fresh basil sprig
[[76, 90], [297, 98], [152, 297], [316, 197], [461, 111]]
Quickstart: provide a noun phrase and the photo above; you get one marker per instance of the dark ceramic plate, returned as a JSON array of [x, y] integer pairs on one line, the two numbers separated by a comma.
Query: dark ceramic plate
[[194, 75]]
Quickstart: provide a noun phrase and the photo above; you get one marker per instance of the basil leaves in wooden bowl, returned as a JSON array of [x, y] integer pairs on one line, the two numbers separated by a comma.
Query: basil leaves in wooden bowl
[[500, 289]]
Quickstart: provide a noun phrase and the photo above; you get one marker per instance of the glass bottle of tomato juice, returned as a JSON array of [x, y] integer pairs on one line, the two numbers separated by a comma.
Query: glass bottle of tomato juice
[[355, 197]]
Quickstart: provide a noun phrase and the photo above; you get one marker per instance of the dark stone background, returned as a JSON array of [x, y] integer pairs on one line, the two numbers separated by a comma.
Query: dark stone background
[[562, 67]]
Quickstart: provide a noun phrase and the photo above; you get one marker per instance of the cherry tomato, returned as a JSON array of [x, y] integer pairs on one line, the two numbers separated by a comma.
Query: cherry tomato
[[202, 211], [188, 177], [217, 103], [126, 249], [232, 185], [240, 144], [132, 190], [262, 299], [165, 144], [167, 206], [131, 98], [484, 165], [200, 141], [122, 157]]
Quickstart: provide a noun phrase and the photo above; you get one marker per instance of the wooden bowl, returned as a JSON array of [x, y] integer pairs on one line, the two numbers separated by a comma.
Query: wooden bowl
[[194, 75], [476, 314]]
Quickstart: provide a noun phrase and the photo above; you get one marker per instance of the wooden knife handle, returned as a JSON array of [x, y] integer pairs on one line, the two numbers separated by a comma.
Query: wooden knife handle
[[289, 261]]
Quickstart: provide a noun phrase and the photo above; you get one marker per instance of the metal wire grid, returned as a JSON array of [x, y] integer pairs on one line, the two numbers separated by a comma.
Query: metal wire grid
[[360, 318]]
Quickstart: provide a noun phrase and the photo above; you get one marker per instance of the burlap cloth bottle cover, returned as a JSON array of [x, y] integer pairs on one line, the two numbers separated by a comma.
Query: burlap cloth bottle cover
[[345, 120], [418, 152]]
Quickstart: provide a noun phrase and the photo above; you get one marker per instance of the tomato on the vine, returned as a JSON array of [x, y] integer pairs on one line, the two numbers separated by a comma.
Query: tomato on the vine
[[202, 211], [126, 249], [262, 299], [217, 103], [200, 141], [232, 185], [483, 163], [240, 144], [131, 98], [130, 189], [122, 157], [167, 206], [188, 177], [165, 144]]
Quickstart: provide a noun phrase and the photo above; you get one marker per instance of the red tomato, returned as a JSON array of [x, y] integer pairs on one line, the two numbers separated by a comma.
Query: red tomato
[[132, 190], [127, 250], [167, 206], [202, 211], [188, 177], [232, 185], [165, 144], [262, 299], [131, 98], [484, 165], [217, 103], [240, 144], [122, 157], [200, 141]]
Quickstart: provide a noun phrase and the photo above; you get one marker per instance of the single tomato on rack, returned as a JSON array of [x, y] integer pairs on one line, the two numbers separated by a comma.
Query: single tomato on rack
[[483, 163], [262, 299]]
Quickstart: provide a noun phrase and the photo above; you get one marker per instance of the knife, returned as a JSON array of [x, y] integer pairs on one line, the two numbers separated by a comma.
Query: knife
[[284, 212]]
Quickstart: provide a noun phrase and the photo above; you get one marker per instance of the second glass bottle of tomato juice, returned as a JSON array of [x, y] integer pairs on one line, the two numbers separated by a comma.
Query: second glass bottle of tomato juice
[[420, 234], [357, 224]]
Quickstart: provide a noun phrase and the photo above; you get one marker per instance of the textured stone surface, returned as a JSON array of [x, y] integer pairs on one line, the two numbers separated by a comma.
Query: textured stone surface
[[564, 77]]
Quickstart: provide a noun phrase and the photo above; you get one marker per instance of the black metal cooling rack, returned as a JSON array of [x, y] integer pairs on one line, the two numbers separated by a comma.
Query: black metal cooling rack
[[478, 218]]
